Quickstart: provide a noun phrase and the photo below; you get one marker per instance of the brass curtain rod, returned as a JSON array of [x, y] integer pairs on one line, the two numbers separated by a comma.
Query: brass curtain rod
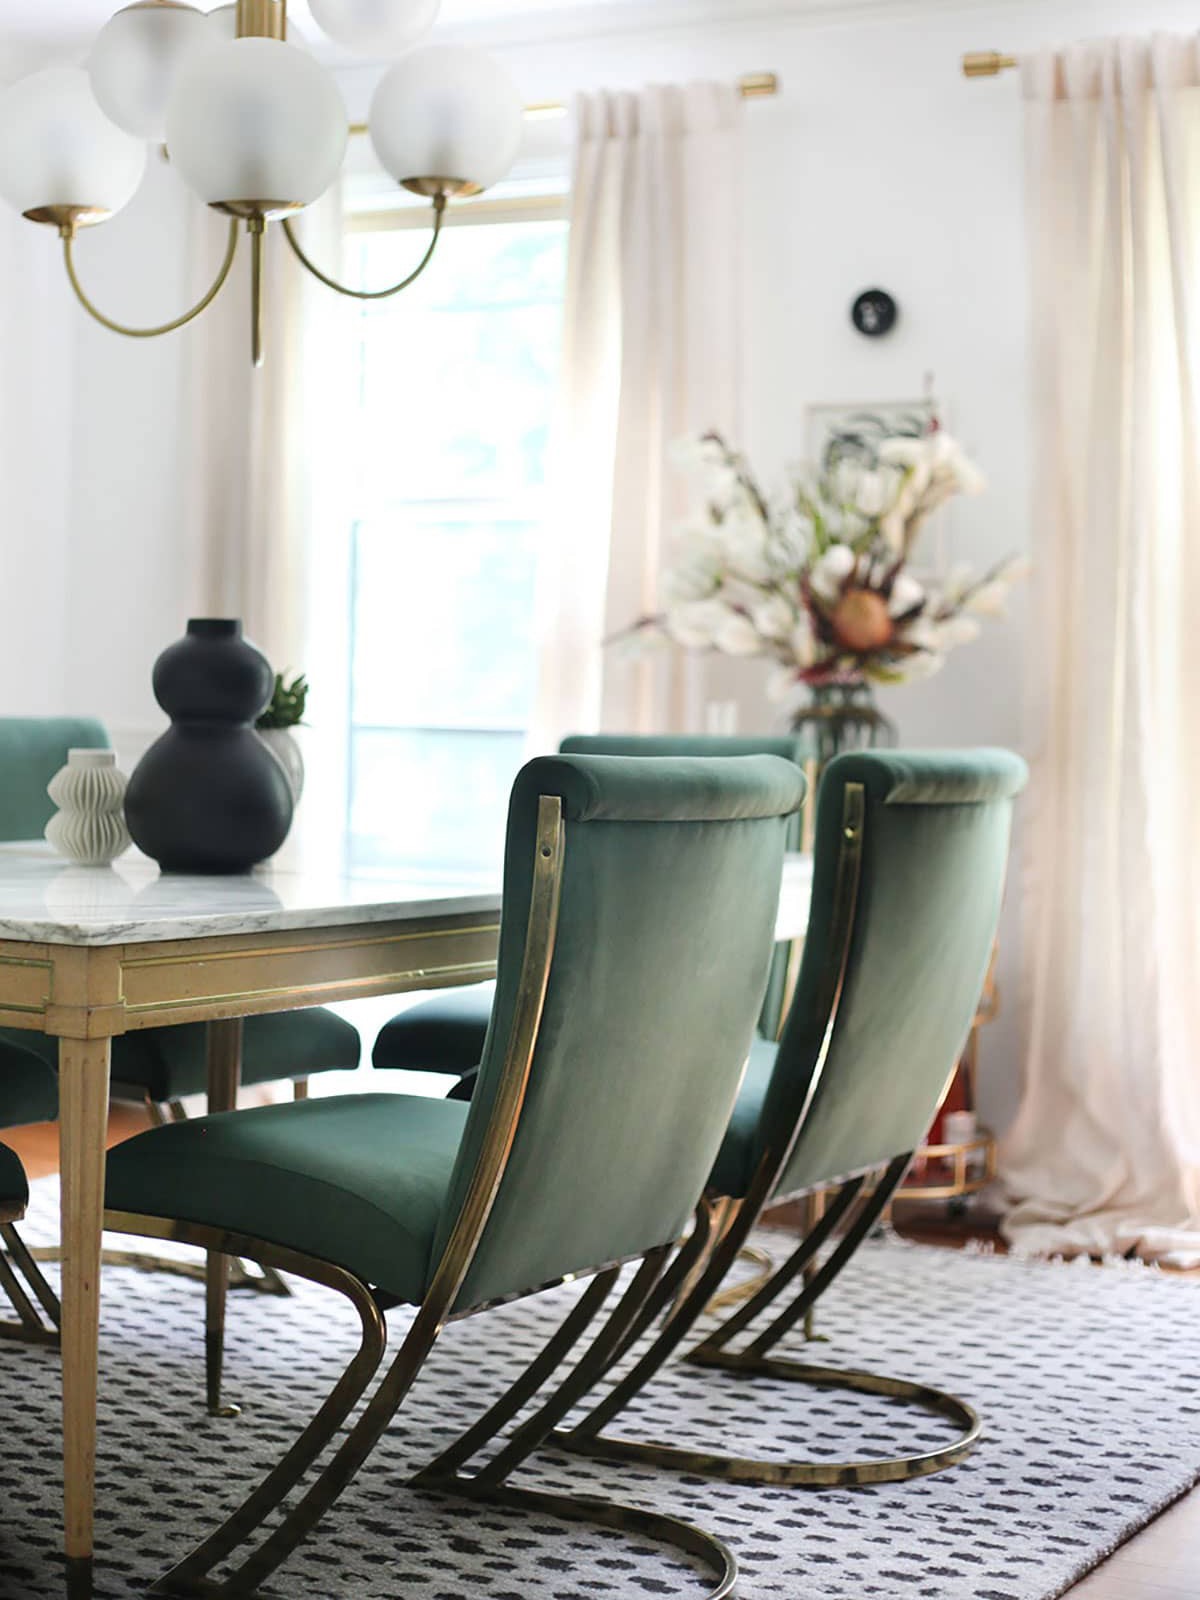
[[987, 64], [754, 86]]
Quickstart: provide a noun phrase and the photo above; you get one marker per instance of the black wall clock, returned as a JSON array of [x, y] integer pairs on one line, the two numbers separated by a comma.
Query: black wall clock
[[874, 313]]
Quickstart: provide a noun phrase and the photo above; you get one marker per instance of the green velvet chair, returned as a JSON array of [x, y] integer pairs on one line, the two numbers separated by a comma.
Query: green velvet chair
[[445, 1033], [28, 1094], [639, 905], [911, 854]]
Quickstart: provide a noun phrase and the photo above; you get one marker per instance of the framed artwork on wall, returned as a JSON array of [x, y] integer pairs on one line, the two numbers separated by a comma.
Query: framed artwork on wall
[[841, 430]]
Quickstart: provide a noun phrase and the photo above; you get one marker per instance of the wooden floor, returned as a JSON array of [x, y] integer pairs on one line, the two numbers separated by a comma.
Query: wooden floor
[[1162, 1562]]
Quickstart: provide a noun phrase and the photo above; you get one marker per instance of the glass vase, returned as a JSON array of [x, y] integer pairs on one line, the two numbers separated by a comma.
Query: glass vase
[[840, 717]]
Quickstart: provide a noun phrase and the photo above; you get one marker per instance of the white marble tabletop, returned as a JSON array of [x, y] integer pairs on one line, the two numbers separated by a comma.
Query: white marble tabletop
[[47, 900]]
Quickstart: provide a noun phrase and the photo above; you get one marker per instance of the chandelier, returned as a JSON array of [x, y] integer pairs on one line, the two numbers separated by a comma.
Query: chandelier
[[254, 126]]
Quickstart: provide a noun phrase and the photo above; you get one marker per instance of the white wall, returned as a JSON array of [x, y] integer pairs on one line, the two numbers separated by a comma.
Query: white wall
[[878, 164]]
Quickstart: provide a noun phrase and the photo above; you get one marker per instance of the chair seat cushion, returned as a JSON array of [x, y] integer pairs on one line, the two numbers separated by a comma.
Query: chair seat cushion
[[734, 1167], [170, 1063], [28, 1086], [14, 1186], [442, 1034], [357, 1180]]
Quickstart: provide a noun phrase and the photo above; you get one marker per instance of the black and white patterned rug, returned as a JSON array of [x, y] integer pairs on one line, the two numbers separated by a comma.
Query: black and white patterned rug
[[1088, 1381]]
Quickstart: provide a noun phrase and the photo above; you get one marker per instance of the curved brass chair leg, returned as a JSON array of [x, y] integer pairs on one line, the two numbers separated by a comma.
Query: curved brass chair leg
[[814, 1474], [651, 1285], [190, 1577], [734, 1296], [31, 1327], [693, 1293], [522, 1391], [588, 1437], [704, 1547]]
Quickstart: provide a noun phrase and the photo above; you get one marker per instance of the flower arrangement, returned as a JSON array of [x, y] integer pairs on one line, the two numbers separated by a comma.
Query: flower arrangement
[[820, 579]]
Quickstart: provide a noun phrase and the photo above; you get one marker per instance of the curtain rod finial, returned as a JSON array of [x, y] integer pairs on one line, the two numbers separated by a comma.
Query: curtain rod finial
[[986, 63]]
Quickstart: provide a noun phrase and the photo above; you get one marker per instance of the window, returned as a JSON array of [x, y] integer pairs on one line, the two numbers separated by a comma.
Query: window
[[456, 380]]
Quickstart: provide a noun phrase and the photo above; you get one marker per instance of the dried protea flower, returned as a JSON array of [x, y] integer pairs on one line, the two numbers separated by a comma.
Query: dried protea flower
[[861, 621]]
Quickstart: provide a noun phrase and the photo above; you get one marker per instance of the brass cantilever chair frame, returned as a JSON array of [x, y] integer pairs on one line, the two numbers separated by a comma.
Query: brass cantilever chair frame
[[194, 1575], [723, 1226], [34, 1325], [29, 1091]]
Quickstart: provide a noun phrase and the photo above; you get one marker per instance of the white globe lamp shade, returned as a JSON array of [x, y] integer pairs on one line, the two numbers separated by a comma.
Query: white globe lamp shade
[[222, 27], [256, 127], [61, 159], [375, 27], [135, 59], [447, 114]]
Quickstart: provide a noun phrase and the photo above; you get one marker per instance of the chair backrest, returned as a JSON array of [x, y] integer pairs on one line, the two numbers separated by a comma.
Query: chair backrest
[[32, 749], [670, 874], [911, 855], [788, 747]]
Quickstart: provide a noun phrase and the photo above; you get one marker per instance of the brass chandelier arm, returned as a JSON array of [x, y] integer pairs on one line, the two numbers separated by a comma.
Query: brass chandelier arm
[[439, 214], [166, 327]]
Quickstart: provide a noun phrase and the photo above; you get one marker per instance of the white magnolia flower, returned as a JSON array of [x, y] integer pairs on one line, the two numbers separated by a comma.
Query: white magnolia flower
[[921, 666], [906, 594], [967, 476], [689, 580], [923, 633], [831, 571], [847, 480], [803, 644], [722, 485], [904, 451], [955, 464], [959, 580], [989, 600], [697, 453], [694, 623], [958, 630], [876, 492], [737, 636], [892, 529], [773, 617], [748, 557], [1013, 570], [789, 539]]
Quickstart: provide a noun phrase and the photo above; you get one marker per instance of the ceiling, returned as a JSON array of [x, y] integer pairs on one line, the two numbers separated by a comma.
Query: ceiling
[[35, 19]]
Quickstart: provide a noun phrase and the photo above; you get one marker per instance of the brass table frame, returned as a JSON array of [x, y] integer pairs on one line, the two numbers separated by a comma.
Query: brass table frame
[[87, 994]]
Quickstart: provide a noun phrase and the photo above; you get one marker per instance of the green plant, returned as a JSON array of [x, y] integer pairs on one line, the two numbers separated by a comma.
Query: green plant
[[286, 709]]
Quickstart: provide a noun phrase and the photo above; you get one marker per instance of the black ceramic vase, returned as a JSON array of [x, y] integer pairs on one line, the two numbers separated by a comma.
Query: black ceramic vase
[[209, 796]]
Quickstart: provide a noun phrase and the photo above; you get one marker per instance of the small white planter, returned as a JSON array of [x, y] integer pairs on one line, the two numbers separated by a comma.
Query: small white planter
[[282, 744], [89, 826]]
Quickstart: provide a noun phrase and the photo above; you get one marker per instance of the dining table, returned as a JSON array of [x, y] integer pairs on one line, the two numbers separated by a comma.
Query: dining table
[[88, 954]]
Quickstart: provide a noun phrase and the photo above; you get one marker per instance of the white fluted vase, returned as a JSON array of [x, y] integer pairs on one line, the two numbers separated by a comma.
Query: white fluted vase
[[89, 826], [283, 745]]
